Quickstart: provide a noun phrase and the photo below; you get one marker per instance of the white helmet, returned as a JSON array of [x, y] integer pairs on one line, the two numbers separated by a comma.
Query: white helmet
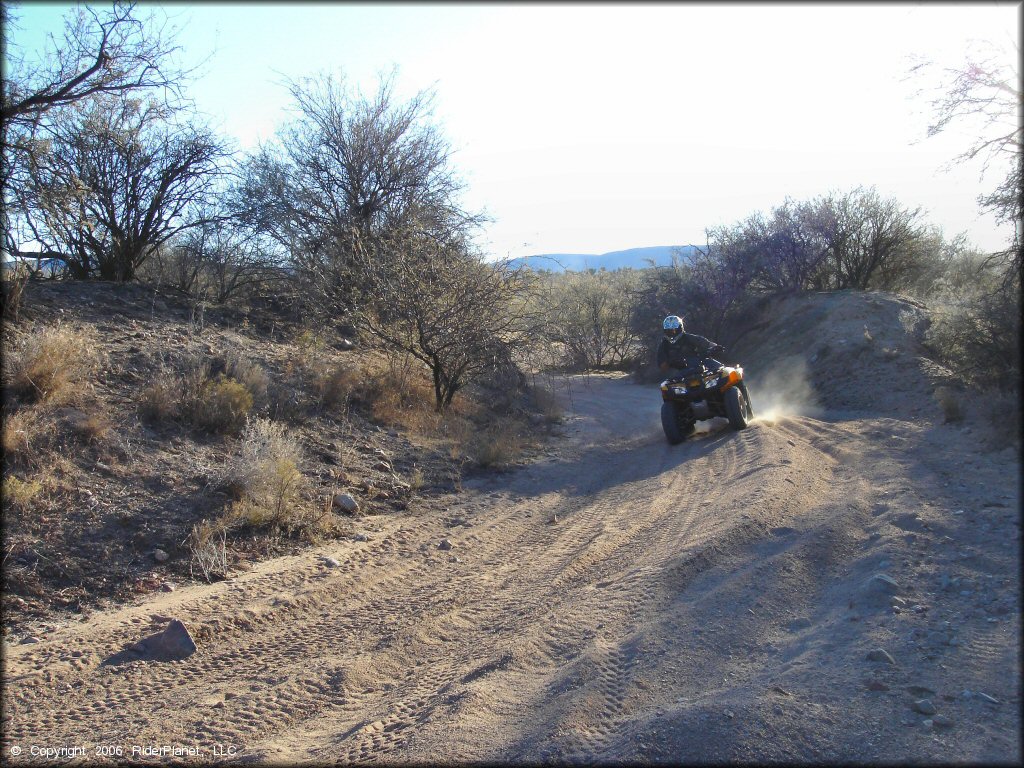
[[673, 327]]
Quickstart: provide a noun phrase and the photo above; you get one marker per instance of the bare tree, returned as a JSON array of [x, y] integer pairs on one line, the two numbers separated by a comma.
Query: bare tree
[[111, 53], [427, 296], [118, 179], [985, 91], [589, 316], [348, 165]]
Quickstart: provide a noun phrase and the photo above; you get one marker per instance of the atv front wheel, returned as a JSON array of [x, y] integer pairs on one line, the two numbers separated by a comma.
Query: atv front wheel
[[670, 423], [736, 408], [746, 401]]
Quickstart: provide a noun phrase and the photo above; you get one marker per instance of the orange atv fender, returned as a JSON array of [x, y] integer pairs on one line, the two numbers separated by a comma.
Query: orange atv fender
[[732, 377]]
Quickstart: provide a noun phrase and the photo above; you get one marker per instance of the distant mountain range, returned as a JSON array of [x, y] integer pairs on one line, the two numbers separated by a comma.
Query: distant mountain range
[[637, 258]]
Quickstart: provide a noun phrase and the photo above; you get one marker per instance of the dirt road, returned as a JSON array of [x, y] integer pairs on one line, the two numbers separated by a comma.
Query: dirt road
[[620, 599]]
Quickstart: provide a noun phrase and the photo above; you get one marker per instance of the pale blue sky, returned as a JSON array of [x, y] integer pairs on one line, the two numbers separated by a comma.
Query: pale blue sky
[[591, 128]]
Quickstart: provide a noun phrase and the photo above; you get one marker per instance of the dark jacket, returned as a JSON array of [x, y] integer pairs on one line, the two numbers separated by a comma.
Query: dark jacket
[[688, 349]]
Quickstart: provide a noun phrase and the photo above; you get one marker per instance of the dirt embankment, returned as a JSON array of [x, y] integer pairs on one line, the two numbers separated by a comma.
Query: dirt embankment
[[838, 582]]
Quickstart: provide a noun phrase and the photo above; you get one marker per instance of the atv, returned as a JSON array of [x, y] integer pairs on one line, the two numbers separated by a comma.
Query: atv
[[703, 392]]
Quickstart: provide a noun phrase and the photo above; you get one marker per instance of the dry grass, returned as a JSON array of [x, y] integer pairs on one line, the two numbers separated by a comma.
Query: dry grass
[[336, 385], [547, 404], [13, 285], [29, 435], [499, 445], [401, 397], [20, 494], [52, 364], [1003, 413], [160, 400], [92, 428]]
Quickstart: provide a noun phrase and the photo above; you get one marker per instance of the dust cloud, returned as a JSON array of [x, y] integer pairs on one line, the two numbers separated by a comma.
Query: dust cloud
[[783, 390]]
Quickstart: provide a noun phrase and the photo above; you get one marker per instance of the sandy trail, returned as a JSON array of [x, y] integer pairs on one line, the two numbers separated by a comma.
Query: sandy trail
[[619, 600]]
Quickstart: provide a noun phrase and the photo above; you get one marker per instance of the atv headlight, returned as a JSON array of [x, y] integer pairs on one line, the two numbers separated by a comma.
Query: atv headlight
[[678, 390]]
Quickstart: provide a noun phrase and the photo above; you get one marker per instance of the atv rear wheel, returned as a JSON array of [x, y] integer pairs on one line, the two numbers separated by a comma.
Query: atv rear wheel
[[736, 408], [670, 423]]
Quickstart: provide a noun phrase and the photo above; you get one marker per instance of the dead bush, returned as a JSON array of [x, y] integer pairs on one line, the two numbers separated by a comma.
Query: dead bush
[[547, 404], [52, 364], [498, 445], [28, 437], [160, 400], [207, 543], [1002, 411], [336, 385], [13, 285], [264, 465]]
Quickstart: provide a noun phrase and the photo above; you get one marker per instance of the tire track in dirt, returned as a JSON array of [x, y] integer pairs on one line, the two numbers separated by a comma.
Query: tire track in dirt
[[291, 659]]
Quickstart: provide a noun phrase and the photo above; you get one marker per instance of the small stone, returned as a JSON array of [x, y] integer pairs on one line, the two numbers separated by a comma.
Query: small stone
[[174, 642], [445, 544], [877, 685], [881, 584], [924, 706], [346, 502], [330, 562], [167, 586], [361, 537], [880, 654], [942, 721], [160, 556], [28, 639]]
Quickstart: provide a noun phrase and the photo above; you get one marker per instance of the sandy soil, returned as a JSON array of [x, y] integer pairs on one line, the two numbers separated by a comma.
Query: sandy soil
[[618, 600]]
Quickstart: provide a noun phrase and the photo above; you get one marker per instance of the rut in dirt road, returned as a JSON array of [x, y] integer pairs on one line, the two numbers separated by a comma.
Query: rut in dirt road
[[404, 652]]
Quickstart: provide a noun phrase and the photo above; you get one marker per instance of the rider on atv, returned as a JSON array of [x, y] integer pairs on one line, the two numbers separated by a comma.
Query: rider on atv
[[684, 350]]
